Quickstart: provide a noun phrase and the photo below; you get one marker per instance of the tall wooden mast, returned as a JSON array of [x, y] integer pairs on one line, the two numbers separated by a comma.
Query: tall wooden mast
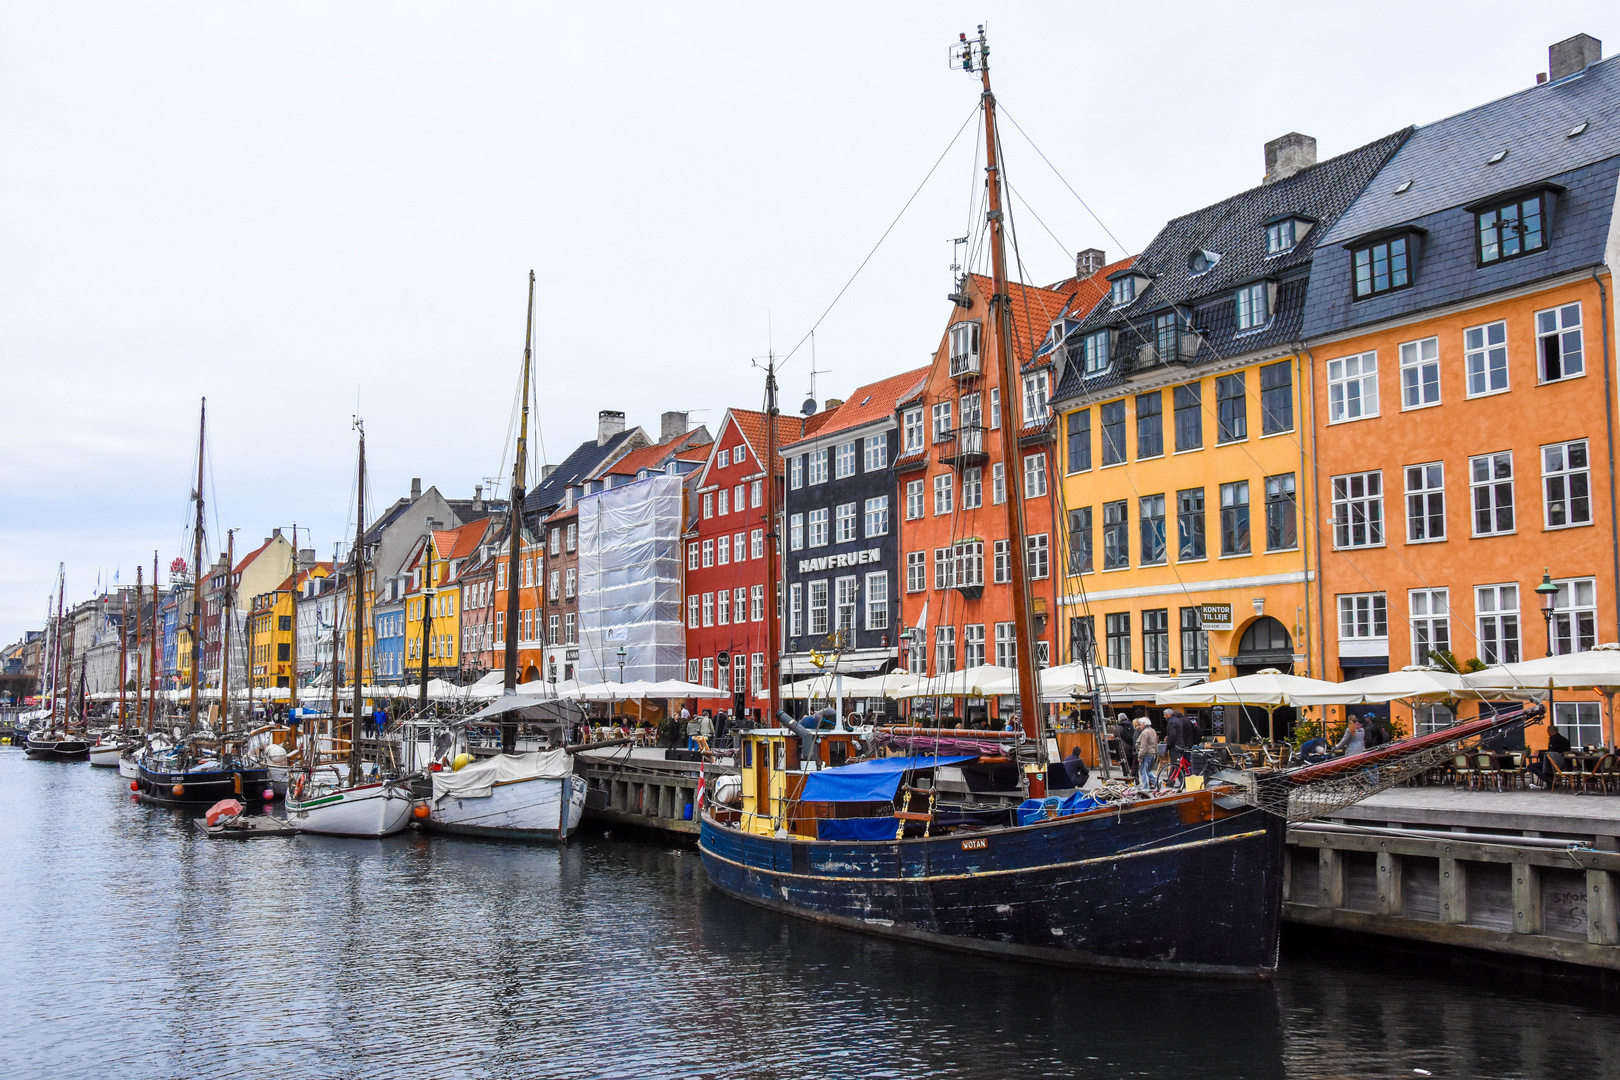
[[357, 606], [152, 666], [975, 58], [292, 681], [514, 515], [56, 644], [773, 656], [228, 605], [140, 640], [123, 652], [196, 571]]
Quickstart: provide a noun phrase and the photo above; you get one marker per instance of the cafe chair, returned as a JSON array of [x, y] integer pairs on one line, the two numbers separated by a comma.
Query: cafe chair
[[1485, 765], [1606, 773], [1580, 772], [1558, 776], [1514, 774], [1462, 773]]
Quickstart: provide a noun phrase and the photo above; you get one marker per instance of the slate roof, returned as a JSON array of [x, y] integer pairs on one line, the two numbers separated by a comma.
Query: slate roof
[[1446, 162], [1233, 229], [576, 467], [871, 402]]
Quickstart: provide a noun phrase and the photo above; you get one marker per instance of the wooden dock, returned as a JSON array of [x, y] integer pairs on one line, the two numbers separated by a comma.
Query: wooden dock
[[1522, 874], [638, 787]]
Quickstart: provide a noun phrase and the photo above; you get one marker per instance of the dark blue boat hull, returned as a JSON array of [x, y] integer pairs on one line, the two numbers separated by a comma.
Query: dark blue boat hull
[[202, 788], [1144, 889]]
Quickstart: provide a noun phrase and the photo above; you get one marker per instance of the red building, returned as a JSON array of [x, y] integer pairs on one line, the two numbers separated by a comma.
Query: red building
[[725, 591], [952, 479]]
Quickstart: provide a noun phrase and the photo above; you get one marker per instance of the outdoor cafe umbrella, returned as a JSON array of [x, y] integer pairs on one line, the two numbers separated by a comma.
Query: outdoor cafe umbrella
[[1069, 681], [1410, 684], [988, 680], [1595, 669], [1268, 689]]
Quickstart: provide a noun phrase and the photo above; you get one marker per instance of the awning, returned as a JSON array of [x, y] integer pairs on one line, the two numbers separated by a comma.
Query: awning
[[867, 781]]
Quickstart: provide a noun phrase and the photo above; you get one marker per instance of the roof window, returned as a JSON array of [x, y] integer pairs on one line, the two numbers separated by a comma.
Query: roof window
[[1126, 286], [1403, 187], [1201, 261], [1578, 128], [1496, 157]]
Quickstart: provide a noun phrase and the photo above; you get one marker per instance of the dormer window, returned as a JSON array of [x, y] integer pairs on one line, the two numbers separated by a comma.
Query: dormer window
[[1254, 305], [1124, 291], [1201, 261], [1094, 352], [1382, 263], [1512, 228]]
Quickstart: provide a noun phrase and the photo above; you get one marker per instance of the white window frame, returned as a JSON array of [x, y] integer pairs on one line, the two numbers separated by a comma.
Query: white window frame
[[1001, 562], [944, 568], [972, 646], [1489, 488], [1560, 326], [844, 460], [846, 602], [967, 563], [1035, 475], [916, 499], [1492, 617], [1370, 503], [708, 609], [818, 623], [844, 527], [1360, 615], [795, 619], [1253, 306], [756, 544], [912, 423], [998, 484], [756, 603], [1481, 351], [876, 517], [1560, 474], [692, 556], [1430, 622], [795, 532], [1352, 388], [1038, 556], [916, 571], [1574, 622], [973, 487], [816, 467], [1420, 374], [1006, 645], [739, 604], [940, 421], [1431, 485], [708, 552], [876, 456], [944, 495], [722, 551], [815, 528], [1037, 399], [1581, 722], [796, 472]]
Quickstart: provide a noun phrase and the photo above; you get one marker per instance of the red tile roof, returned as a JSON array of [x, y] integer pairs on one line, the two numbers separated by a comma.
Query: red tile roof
[[870, 402], [751, 422], [656, 456], [1093, 289]]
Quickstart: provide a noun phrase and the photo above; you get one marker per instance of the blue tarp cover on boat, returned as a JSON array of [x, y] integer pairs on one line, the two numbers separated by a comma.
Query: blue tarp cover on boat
[[867, 781], [856, 828]]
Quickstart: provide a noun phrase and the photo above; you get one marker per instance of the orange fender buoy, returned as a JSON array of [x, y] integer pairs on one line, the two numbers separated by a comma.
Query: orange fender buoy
[[134, 785], [421, 811], [179, 789]]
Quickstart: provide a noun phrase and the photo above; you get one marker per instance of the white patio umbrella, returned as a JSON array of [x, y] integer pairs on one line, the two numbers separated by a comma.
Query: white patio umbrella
[[567, 688], [1068, 681], [1268, 689], [1407, 683], [1595, 669], [988, 680]]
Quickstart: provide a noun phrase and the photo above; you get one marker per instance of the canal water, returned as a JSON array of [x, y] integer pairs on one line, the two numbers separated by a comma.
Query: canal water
[[134, 947]]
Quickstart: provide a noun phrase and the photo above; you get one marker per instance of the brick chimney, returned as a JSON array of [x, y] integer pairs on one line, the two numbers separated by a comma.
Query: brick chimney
[[672, 425], [1089, 261], [1289, 154], [832, 403], [608, 424], [1573, 54], [416, 487]]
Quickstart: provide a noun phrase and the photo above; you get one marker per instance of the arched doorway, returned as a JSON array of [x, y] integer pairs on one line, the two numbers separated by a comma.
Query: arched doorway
[[1266, 643], [530, 674]]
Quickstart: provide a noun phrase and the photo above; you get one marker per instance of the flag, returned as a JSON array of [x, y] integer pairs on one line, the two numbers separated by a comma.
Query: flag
[[922, 620]]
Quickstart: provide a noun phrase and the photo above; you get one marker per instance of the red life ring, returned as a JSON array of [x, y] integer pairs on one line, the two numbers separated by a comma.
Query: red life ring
[[298, 787]]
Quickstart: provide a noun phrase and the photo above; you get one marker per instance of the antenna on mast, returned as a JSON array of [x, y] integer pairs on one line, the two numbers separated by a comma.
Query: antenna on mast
[[809, 406]]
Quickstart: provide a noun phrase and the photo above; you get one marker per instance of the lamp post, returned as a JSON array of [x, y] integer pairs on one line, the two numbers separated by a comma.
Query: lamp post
[[1548, 592], [622, 655]]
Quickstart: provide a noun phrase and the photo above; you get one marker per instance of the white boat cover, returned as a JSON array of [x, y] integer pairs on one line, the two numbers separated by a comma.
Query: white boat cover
[[477, 779]]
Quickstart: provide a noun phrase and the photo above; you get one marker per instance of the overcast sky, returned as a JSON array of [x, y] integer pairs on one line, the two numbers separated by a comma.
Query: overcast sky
[[293, 208]]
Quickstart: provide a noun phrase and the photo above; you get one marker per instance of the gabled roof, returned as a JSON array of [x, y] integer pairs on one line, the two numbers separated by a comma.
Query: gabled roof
[[750, 423], [1447, 161], [873, 401], [254, 554], [578, 466], [656, 456], [1033, 309]]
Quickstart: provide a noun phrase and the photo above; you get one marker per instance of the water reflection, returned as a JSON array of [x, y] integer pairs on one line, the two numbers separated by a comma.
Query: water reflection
[[141, 948]]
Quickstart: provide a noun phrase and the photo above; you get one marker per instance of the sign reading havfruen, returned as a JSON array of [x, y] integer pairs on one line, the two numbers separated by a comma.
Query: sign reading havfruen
[[1215, 616], [851, 558]]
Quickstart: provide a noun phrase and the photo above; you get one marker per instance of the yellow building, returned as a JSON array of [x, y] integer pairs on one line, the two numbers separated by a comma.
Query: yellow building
[[271, 631], [434, 570], [1185, 435]]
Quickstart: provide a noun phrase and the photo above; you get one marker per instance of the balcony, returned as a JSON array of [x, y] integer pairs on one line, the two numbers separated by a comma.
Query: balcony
[[965, 365], [962, 448]]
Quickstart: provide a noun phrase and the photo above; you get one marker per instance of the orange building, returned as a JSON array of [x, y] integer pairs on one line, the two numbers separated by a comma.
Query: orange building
[[1460, 332], [953, 481]]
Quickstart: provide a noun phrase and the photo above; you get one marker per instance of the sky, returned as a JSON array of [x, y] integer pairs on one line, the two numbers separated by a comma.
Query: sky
[[306, 212]]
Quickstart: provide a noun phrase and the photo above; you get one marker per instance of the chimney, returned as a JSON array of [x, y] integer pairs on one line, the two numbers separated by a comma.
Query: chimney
[[832, 403], [1288, 155], [478, 496], [275, 534], [306, 556], [1573, 54], [1089, 261], [608, 424], [671, 425], [546, 471], [416, 487]]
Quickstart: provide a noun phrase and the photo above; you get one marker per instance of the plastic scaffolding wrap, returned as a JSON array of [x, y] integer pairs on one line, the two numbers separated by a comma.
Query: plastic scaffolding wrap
[[630, 582]]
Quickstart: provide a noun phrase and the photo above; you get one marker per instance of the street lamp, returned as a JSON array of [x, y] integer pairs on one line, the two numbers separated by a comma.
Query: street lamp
[[622, 655], [1548, 593]]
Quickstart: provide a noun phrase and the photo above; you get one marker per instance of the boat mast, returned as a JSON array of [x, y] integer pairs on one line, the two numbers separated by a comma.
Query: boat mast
[[292, 650], [196, 573], [975, 58], [140, 641], [225, 643], [515, 522], [357, 652], [56, 643], [337, 632], [67, 704], [152, 665], [427, 615], [773, 669], [123, 652]]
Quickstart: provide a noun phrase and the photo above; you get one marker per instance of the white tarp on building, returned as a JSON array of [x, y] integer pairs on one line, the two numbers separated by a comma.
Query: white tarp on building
[[630, 583]]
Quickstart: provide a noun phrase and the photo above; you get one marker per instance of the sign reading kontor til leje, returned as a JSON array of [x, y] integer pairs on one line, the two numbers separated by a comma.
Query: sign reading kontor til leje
[[1215, 616]]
